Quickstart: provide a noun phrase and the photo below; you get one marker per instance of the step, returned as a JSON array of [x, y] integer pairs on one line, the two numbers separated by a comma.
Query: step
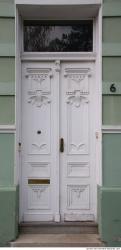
[[59, 228], [57, 240]]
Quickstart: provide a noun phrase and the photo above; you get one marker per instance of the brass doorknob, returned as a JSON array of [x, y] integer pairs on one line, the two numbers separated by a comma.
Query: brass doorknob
[[61, 145]]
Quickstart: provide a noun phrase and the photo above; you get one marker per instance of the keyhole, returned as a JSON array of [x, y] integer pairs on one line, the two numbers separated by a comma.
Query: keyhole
[[39, 132]]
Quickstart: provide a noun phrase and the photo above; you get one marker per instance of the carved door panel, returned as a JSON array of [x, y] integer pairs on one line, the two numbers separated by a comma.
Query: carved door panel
[[39, 141], [78, 131], [58, 101]]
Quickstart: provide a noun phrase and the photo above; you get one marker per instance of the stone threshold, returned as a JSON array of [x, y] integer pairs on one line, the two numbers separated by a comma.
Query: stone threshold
[[57, 240]]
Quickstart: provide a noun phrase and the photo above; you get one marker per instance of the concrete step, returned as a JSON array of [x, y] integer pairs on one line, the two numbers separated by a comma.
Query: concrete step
[[57, 240], [58, 228]]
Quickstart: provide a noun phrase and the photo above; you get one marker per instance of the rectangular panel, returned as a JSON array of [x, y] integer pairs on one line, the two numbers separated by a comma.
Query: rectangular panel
[[111, 49], [7, 8], [38, 197], [39, 161], [77, 109], [7, 110], [78, 131], [58, 36], [6, 159], [111, 69], [39, 109], [111, 88], [9, 202], [111, 8], [78, 169], [79, 217], [112, 160], [39, 169], [7, 70], [78, 197], [40, 131], [112, 110], [78, 128], [114, 24], [7, 30], [7, 88]]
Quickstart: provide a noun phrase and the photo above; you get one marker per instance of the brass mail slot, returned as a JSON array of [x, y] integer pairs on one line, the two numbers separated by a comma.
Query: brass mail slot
[[38, 181]]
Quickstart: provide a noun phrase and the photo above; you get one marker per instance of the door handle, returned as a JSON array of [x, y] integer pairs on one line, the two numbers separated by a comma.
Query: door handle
[[61, 145]]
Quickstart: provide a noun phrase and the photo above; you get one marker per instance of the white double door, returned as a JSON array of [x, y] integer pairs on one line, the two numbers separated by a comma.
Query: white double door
[[58, 141]]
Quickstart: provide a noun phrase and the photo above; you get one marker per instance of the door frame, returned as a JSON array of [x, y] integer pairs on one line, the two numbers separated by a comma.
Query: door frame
[[96, 56]]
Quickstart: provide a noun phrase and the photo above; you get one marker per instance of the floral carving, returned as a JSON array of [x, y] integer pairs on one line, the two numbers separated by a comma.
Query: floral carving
[[77, 99], [38, 98]]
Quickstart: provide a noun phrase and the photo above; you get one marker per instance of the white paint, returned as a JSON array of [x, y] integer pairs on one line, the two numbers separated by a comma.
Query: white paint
[[58, 96], [39, 88], [48, 56], [26, 11], [77, 127]]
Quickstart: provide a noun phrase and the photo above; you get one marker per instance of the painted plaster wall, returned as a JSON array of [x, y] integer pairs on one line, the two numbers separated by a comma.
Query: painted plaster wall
[[109, 196], [111, 103], [8, 191]]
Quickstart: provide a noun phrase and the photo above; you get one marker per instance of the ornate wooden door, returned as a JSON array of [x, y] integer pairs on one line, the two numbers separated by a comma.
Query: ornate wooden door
[[77, 126], [58, 141]]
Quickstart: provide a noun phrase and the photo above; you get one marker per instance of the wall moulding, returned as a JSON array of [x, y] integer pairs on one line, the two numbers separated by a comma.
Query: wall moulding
[[107, 129], [6, 129]]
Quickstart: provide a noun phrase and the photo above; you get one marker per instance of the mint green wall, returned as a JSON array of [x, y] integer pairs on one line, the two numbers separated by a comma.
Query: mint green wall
[[112, 69], [6, 159], [111, 103], [7, 116], [7, 27], [109, 195], [7, 8], [111, 110], [111, 160], [109, 216], [8, 191], [8, 214], [111, 8], [7, 69], [111, 24]]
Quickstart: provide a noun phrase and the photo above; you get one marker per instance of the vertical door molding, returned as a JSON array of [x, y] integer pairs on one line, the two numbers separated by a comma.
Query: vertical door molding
[[57, 129]]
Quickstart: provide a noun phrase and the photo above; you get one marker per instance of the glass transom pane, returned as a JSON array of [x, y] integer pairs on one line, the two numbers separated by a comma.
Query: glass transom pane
[[66, 36]]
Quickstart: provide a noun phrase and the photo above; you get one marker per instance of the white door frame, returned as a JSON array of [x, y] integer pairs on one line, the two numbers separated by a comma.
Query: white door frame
[[95, 56]]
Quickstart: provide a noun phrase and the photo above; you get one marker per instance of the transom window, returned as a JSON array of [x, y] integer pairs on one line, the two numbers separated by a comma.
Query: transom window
[[58, 36]]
